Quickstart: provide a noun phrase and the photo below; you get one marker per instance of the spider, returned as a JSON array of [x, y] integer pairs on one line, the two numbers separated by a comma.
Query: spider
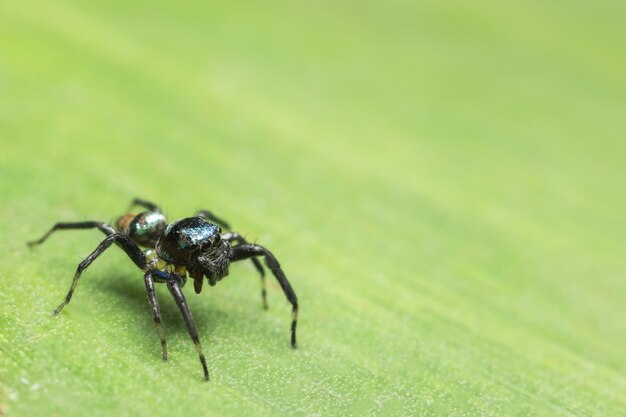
[[193, 246]]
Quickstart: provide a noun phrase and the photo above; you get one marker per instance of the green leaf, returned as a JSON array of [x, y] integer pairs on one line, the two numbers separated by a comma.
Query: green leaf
[[443, 183]]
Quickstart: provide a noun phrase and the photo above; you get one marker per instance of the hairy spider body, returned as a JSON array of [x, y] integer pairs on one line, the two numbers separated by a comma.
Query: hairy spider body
[[193, 246]]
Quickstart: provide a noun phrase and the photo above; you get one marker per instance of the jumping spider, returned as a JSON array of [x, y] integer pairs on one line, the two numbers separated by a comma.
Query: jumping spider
[[193, 246]]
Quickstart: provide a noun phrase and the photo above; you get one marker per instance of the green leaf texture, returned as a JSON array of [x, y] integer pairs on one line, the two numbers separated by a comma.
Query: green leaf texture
[[443, 183]]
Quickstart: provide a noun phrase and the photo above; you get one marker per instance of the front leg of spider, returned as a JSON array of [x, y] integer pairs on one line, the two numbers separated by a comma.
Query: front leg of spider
[[132, 250], [174, 287], [240, 240], [252, 250], [156, 311]]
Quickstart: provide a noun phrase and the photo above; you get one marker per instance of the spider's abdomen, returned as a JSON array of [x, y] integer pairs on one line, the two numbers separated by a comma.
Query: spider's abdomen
[[144, 228], [186, 238]]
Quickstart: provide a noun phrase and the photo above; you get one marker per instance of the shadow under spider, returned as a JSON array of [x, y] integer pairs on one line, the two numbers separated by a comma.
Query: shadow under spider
[[134, 298], [207, 317]]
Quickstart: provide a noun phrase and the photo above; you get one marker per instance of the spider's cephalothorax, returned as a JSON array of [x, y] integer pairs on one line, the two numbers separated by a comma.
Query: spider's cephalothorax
[[193, 246], [198, 245]]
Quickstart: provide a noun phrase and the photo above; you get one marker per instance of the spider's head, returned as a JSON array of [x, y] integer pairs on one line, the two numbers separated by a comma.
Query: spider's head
[[196, 244]]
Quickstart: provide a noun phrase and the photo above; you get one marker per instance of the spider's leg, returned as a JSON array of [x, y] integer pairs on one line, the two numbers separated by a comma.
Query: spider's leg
[[132, 250], [207, 215], [156, 311], [145, 204], [103, 227], [251, 250], [240, 240], [174, 287]]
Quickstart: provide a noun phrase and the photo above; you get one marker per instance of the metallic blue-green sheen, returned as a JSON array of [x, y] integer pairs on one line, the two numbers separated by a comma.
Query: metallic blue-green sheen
[[193, 236], [151, 222], [184, 238]]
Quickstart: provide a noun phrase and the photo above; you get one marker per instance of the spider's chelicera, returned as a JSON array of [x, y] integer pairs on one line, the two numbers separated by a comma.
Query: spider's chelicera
[[194, 247]]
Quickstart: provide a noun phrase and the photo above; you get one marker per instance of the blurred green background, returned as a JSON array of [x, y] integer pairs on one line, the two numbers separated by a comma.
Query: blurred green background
[[443, 183]]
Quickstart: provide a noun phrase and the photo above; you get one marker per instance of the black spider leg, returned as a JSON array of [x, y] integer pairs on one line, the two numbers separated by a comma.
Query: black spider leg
[[103, 227], [240, 240], [207, 215], [156, 311], [145, 204], [250, 250], [174, 287], [132, 250]]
